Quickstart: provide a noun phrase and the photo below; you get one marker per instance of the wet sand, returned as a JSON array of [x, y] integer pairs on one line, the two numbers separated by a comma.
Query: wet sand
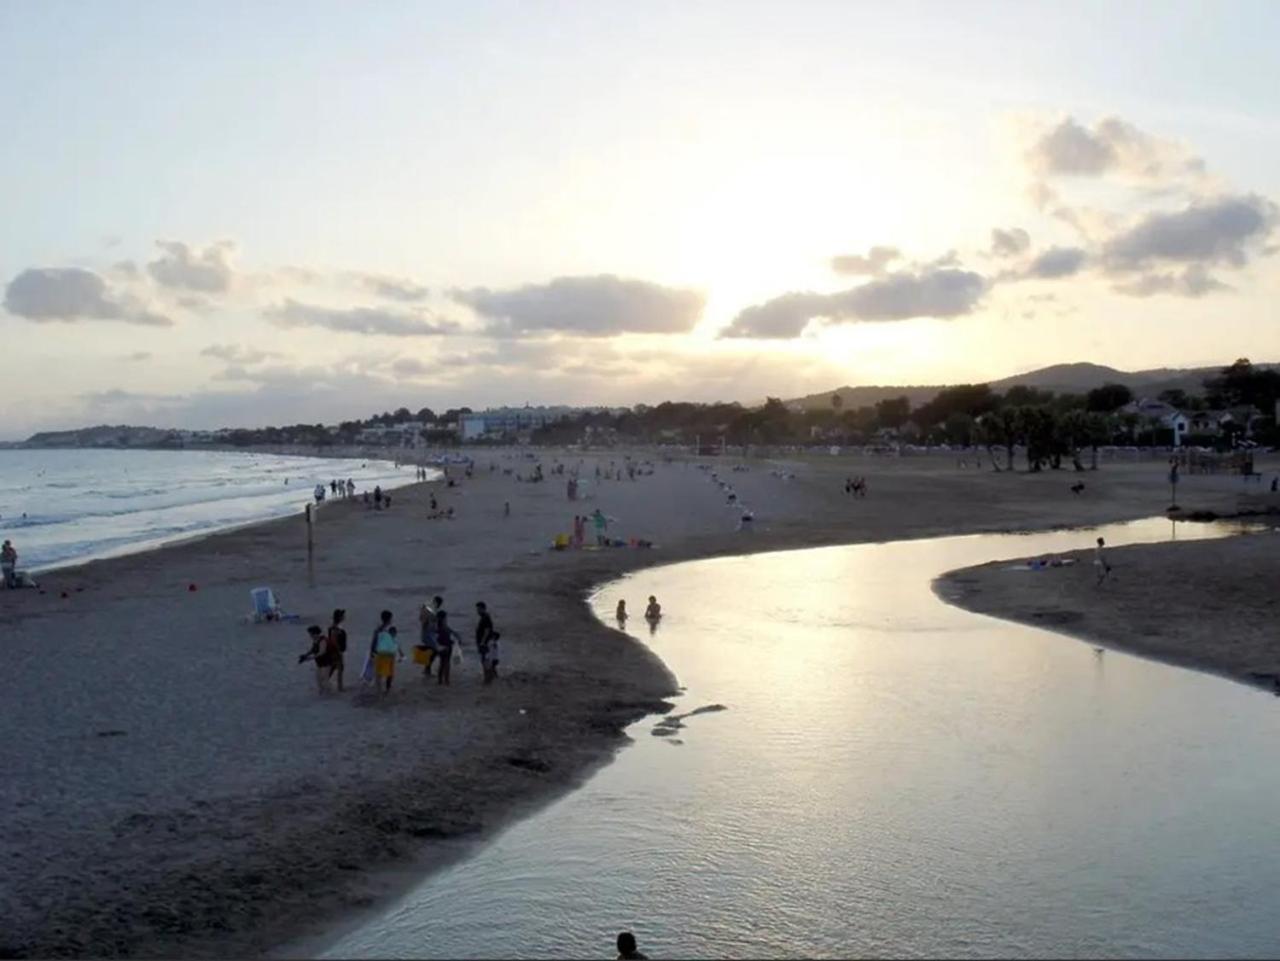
[[174, 784], [1207, 605]]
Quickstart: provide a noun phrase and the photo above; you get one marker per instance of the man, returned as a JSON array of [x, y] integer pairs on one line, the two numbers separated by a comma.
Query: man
[[627, 949], [1100, 562], [486, 642], [9, 564]]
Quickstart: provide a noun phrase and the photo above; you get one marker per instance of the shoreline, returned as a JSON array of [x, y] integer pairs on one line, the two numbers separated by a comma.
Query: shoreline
[[1135, 611], [185, 537], [580, 682]]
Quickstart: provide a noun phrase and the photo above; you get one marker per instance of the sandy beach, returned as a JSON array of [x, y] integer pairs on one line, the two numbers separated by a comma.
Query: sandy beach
[[1208, 605], [175, 785]]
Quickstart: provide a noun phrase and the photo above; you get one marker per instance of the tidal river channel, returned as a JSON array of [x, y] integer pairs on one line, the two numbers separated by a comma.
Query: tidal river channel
[[890, 776]]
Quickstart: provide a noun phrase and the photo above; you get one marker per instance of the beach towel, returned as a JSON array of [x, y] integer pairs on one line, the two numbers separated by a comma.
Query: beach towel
[[366, 674]]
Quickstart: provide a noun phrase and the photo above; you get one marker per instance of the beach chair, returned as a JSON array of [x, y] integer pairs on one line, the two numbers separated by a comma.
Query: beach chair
[[265, 605]]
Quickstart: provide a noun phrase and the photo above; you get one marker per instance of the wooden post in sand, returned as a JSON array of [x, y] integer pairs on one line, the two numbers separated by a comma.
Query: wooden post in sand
[[310, 512]]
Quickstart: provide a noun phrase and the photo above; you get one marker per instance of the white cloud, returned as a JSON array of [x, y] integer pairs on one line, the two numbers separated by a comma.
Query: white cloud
[[1009, 243], [597, 306], [1057, 262], [874, 263], [1111, 147], [358, 320], [71, 294], [181, 267], [1219, 231], [932, 292]]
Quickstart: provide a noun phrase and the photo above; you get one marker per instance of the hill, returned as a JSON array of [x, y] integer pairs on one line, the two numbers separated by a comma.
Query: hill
[[1075, 378]]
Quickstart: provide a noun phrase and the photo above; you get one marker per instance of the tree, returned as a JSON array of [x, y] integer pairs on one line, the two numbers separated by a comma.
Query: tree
[[837, 402], [1108, 398], [425, 416], [892, 412], [1001, 428], [1022, 395], [973, 400]]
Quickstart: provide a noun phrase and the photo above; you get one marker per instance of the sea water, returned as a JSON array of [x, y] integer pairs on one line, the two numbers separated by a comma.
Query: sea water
[[66, 506], [892, 776]]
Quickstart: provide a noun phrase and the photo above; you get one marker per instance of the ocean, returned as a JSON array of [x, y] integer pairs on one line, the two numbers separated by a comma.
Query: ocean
[[61, 507]]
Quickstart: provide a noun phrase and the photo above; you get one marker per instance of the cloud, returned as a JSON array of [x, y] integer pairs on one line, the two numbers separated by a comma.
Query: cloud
[[409, 367], [205, 271], [1193, 282], [873, 264], [138, 355], [69, 294], [1111, 146], [941, 293], [394, 288], [237, 353], [357, 320], [1219, 231], [597, 306], [1009, 243], [1057, 262]]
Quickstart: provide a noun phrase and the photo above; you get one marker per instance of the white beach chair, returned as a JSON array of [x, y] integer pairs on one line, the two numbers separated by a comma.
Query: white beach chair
[[265, 605]]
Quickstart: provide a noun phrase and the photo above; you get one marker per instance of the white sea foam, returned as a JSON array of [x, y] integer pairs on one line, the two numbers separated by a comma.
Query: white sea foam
[[65, 506]]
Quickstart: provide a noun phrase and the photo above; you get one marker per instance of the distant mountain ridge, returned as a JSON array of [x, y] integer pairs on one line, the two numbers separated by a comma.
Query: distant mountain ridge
[[1076, 378]]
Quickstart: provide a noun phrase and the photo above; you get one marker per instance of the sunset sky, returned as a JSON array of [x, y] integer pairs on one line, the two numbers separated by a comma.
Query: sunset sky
[[253, 213]]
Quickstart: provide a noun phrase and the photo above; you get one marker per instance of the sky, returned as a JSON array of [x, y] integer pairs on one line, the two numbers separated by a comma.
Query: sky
[[277, 212]]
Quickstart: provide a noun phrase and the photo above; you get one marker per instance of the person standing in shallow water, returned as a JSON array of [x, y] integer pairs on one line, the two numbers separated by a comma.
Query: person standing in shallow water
[[654, 610], [9, 564], [1100, 562], [627, 948], [621, 612]]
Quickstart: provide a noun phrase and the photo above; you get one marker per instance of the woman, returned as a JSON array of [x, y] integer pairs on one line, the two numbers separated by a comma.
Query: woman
[[385, 650]]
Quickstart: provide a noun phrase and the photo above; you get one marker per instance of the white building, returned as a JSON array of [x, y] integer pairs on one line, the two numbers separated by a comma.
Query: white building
[[510, 421]]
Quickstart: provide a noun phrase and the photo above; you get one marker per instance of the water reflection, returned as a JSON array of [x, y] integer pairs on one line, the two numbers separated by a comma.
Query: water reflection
[[891, 776]]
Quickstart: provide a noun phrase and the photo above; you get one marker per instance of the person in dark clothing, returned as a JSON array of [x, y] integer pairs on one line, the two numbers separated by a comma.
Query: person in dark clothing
[[337, 646], [627, 949], [445, 638], [486, 642]]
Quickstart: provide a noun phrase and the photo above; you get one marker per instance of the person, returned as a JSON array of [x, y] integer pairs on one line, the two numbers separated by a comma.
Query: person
[[506, 508], [337, 645], [427, 638], [383, 648], [9, 564], [621, 612], [1100, 561], [377, 497], [319, 493], [602, 525], [1275, 484], [486, 643], [351, 487], [319, 653], [333, 487], [654, 610], [445, 638], [433, 507], [627, 948]]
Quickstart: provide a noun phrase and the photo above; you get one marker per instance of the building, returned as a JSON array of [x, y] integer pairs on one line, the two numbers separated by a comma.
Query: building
[[510, 422], [407, 434], [1155, 414]]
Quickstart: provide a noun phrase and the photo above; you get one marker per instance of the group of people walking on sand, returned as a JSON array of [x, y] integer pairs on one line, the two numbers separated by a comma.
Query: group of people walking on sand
[[439, 646], [855, 486]]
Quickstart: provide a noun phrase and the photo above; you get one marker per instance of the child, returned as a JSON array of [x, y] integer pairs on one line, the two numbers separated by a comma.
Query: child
[[322, 656], [385, 650]]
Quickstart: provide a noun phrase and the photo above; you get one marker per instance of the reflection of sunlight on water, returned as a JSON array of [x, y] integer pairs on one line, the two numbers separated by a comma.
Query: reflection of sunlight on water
[[963, 786]]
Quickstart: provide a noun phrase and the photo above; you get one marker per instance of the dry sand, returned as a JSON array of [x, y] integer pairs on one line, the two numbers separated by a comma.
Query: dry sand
[[174, 785], [1209, 605]]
